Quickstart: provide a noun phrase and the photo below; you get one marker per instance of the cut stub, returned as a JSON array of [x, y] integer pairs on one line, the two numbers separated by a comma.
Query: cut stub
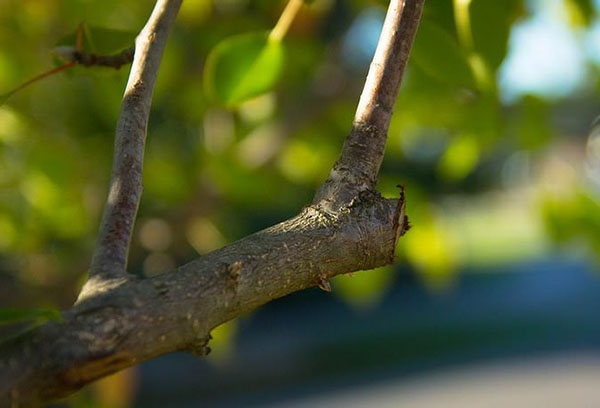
[[367, 230], [402, 224]]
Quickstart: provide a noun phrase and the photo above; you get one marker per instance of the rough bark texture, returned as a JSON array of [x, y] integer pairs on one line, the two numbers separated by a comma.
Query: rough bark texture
[[141, 319], [120, 320]]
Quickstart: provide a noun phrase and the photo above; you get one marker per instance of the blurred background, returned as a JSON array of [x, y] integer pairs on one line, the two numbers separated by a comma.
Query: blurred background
[[495, 296]]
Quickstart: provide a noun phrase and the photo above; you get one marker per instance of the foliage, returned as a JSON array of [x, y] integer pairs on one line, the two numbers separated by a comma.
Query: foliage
[[8, 316], [242, 67]]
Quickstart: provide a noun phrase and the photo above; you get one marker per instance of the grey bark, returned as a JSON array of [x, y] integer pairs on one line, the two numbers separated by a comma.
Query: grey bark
[[120, 320], [357, 168], [112, 246]]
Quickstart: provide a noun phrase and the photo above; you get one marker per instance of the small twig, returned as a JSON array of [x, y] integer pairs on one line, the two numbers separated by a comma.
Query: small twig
[[114, 236], [39, 77], [285, 20], [86, 59], [78, 57], [112, 61], [357, 168]]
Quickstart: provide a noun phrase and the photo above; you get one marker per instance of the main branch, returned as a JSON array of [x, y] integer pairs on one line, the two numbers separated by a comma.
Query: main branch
[[123, 320], [141, 319]]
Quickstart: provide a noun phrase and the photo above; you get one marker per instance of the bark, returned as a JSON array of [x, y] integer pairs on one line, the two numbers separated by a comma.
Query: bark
[[142, 318], [115, 61], [357, 168], [120, 320], [112, 246]]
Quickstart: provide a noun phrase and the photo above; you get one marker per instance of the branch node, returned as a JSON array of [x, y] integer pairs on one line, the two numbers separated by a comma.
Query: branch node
[[324, 283], [234, 271], [200, 347]]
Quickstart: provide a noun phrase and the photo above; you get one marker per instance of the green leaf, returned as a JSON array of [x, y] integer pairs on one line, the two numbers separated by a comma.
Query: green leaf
[[365, 289], [436, 52], [580, 12], [242, 67], [533, 125], [11, 315], [491, 22], [460, 158], [100, 40]]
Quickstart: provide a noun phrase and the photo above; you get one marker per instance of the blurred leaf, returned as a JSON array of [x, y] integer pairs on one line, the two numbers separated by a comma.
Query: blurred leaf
[[222, 344], [117, 390], [534, 128], [8, 232], [438, 54], [491, 22], [301, 162], [100, 40], [430, 248], [10, 315], [580, 12], [4, 98], [242, 67], [167, 179], [195, 12], [364, 289], [573, 216], [482, 118], [460, 158], [440, 12]]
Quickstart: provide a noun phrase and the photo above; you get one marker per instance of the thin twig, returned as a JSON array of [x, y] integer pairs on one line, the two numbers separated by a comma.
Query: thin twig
[[114, 237], [86, 59], [285, 21], [75, 57], [42, 76], [357, 168]]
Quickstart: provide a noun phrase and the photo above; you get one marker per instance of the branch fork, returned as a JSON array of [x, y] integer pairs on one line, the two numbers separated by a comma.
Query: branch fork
[[120, 320]]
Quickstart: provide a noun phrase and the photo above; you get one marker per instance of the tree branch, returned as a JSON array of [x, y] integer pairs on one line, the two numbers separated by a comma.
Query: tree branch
[[357, 168], [117, 323], [86, 59], [112, 246], [141, 319], [74, 57]]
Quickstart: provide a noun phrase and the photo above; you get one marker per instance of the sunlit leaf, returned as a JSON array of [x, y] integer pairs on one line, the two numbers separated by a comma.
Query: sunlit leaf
[[573, 216], [438, 54], [241, 67], [222, 345], [10, 315], [460, 158], [429, 247], [302, 163], [365, 288], [579, 12]]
